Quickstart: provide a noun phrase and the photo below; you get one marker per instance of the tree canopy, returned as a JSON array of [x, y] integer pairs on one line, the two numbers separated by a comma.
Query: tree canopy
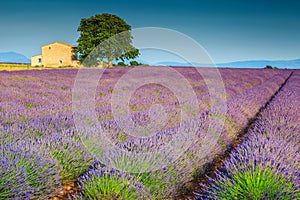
[[105, 37], [270, 67]]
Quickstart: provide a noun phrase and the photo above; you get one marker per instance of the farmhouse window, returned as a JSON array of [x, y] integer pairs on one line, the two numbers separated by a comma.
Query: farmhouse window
[[49, 48], [39, 60], [60, 62]]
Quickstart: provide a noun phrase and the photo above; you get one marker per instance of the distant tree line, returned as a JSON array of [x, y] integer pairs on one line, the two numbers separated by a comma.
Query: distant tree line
[[131, 63], [270, 67]]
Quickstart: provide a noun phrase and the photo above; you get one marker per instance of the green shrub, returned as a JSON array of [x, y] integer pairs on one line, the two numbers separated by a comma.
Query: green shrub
[[268, 67], [121, 64], [72, 163], [254, 184], [25, 175], [109, 187], [135, 63]]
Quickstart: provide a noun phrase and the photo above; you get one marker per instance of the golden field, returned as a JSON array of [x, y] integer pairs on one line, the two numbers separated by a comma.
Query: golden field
[[16, 67]]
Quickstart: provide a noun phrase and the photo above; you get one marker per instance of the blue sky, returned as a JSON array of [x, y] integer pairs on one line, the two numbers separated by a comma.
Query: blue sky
[[230, 30]]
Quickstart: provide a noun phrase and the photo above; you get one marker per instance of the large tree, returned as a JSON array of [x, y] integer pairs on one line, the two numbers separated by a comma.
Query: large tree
[[105, 37]]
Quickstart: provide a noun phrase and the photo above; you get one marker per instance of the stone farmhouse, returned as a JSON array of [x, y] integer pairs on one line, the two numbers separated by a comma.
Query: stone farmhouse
[[55, 55]]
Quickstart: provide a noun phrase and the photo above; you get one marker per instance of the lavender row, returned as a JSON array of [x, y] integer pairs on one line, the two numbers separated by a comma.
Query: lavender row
[[34, 94], [36, 118], [240, 110], [26, 174], [41, 101], [266, 164], [142, 118], [177, 174], [36, 165]]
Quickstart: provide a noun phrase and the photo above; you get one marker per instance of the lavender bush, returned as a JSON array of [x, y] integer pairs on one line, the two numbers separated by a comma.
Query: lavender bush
[[266, 164], [25, 175], [103, 183]]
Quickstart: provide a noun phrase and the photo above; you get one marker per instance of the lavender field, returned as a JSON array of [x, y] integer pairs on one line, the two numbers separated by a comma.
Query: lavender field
[[44, 155]]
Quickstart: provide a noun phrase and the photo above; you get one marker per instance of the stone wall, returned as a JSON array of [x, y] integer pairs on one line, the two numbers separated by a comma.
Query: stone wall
[[56, 54], [36, 60]]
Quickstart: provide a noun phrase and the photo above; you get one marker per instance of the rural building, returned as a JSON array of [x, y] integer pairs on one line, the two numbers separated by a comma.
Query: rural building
[[55, 55]]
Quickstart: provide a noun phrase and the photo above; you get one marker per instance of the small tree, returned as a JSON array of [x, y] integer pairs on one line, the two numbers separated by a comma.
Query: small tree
[[134, 63], [105, 37], [268, 67], [121, 64]]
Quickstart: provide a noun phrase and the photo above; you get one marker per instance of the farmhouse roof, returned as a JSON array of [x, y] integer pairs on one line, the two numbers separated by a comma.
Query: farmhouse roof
[[62, 43], [37, 55]]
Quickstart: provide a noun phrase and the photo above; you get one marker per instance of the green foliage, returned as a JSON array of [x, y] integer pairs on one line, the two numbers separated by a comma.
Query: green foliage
[[268, 67], [71, 163], [102, 94], [64, 88], [122, 137], [158, 183], [28, 105], [24, 174], [105, 36], [110, 187], [134, 108], [135, 63], [255, 184], [121, 64]]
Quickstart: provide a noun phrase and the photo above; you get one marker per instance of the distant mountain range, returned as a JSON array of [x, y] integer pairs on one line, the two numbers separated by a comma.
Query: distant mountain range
[[290, 64], [13, 57]]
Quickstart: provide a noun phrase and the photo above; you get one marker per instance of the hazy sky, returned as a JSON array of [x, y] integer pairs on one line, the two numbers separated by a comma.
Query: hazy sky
[[229, 30]]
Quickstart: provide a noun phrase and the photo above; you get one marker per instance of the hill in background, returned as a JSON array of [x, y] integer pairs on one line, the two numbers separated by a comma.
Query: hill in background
[[13, 57], [290, 64]]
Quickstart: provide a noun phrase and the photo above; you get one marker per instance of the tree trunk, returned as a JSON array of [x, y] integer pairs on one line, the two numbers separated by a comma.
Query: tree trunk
[[110, 64], [101, 64]]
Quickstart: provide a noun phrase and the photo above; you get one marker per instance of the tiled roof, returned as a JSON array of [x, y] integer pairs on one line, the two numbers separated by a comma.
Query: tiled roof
[[37, 55], [62, 43]]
